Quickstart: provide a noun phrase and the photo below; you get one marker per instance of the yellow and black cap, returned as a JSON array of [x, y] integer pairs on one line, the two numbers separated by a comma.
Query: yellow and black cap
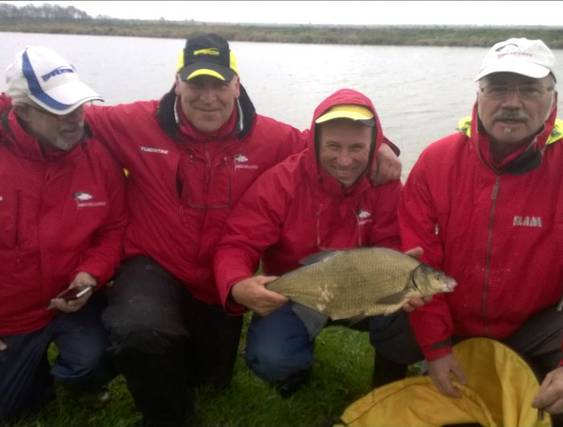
[[357, 113], [207, 55]]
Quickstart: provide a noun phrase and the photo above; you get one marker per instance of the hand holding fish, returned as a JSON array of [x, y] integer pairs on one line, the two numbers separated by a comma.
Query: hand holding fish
[[415, 302], [252, 293], [550, 395], [441, 371]]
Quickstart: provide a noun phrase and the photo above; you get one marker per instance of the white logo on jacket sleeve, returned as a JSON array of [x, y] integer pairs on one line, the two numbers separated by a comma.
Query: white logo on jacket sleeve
[[527, 221], [84, 200], [240, 162]]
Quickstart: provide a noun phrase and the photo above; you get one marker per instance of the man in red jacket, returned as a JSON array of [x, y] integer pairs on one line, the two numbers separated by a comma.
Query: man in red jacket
[[190, 157], [62, 218], [486, 206], [316, 200]]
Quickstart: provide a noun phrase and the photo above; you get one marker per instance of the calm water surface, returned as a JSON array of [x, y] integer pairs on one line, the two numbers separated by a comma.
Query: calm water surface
[[419, 92]]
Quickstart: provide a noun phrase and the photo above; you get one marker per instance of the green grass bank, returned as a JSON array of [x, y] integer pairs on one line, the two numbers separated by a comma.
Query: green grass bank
[[359, 35]]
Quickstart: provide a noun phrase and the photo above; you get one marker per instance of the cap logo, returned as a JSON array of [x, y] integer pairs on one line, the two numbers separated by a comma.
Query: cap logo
[[506, 46], [56, 72], [209, 51]]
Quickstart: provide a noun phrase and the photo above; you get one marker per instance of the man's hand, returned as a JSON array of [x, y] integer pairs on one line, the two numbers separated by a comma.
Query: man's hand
[[3, 345], [440, 370], [81, 280], [415, 253], [550, 395], [386, 167], [252, 293], [413, 303]]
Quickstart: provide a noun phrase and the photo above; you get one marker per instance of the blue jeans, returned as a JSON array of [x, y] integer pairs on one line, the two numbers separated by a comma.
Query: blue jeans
[[279, 345], [26, 379]]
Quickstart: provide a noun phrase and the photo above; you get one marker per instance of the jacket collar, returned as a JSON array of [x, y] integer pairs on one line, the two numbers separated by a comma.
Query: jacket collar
[[522, 160]]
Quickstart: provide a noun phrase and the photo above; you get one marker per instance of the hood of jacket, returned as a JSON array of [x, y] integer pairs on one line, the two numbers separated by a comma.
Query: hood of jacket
[[328, 183]]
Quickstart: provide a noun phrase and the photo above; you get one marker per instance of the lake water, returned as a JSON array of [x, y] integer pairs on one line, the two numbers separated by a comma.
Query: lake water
[[419, 92]]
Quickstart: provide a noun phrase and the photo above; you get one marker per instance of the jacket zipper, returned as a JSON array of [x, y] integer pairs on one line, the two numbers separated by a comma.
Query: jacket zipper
[[17, 220], [484, 313]]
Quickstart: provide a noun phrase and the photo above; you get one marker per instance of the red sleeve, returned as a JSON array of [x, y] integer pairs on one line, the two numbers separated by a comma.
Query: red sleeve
[[110, 126], [253, 226], [431, 323], [105, 250]]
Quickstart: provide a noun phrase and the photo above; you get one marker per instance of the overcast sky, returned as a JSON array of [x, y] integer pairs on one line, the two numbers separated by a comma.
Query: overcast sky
[[331, 12]]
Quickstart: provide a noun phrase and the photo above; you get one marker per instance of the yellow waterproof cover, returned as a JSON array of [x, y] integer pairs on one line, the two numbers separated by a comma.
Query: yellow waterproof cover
[[499, 391]]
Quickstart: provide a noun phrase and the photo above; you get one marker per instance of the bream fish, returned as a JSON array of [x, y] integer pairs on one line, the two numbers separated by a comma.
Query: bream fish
[[362, 282]]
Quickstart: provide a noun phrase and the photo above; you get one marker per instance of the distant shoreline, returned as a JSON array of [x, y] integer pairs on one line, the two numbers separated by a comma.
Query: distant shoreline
[[359, 35]]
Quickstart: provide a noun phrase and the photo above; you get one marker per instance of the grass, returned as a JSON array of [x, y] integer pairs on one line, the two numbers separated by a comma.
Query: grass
[[341, 374]]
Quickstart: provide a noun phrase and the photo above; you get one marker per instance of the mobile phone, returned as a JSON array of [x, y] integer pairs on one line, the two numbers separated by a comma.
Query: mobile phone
[[75, 293]]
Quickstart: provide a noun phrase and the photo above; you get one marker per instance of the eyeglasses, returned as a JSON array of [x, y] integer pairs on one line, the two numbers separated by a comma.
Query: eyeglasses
[[527, 92], [61, 117]]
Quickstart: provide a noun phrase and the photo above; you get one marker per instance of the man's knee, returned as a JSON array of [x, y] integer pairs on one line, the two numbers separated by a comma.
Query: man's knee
[[273, 364], [142, 340]]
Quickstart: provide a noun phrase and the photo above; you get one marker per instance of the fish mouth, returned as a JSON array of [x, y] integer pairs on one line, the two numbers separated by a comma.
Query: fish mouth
[[449, 284]]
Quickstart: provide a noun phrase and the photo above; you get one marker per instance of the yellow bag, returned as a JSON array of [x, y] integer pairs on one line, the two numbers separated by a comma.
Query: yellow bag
[[499, 391]]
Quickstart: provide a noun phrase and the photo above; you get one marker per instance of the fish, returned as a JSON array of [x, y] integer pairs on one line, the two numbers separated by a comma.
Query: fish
[[361, 282]]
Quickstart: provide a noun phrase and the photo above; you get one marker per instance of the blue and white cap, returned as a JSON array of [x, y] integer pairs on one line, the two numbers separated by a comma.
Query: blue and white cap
[[49, 80]]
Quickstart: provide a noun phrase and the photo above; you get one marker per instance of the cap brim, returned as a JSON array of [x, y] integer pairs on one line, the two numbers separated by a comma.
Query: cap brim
[[333, 115], [534, 71], [206, 69], [65, 98]]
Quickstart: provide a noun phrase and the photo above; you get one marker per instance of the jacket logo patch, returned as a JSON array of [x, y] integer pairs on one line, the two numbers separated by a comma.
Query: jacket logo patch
[[527, 221], [153, 150], [82, 197], [363, 217], [83, 200], [240, 162]]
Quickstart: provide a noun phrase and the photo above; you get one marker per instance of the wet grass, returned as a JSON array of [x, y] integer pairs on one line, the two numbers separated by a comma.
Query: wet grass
[[341, 374]]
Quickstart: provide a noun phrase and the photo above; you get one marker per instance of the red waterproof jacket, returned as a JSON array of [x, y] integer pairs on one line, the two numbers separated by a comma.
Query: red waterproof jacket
[[297, 209], [180, 189], [497, 230], [60, 213]]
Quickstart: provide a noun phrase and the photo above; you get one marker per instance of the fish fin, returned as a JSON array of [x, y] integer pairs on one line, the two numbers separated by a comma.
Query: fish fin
[[317, 257], [313, 320], [395, 298]]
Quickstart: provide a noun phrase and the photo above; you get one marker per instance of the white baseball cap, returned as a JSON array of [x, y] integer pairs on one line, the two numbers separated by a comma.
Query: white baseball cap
[[49, 80], [531, 58]]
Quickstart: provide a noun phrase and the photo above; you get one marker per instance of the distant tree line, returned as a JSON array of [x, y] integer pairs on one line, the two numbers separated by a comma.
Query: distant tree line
[[69, 20], [44, 11]]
